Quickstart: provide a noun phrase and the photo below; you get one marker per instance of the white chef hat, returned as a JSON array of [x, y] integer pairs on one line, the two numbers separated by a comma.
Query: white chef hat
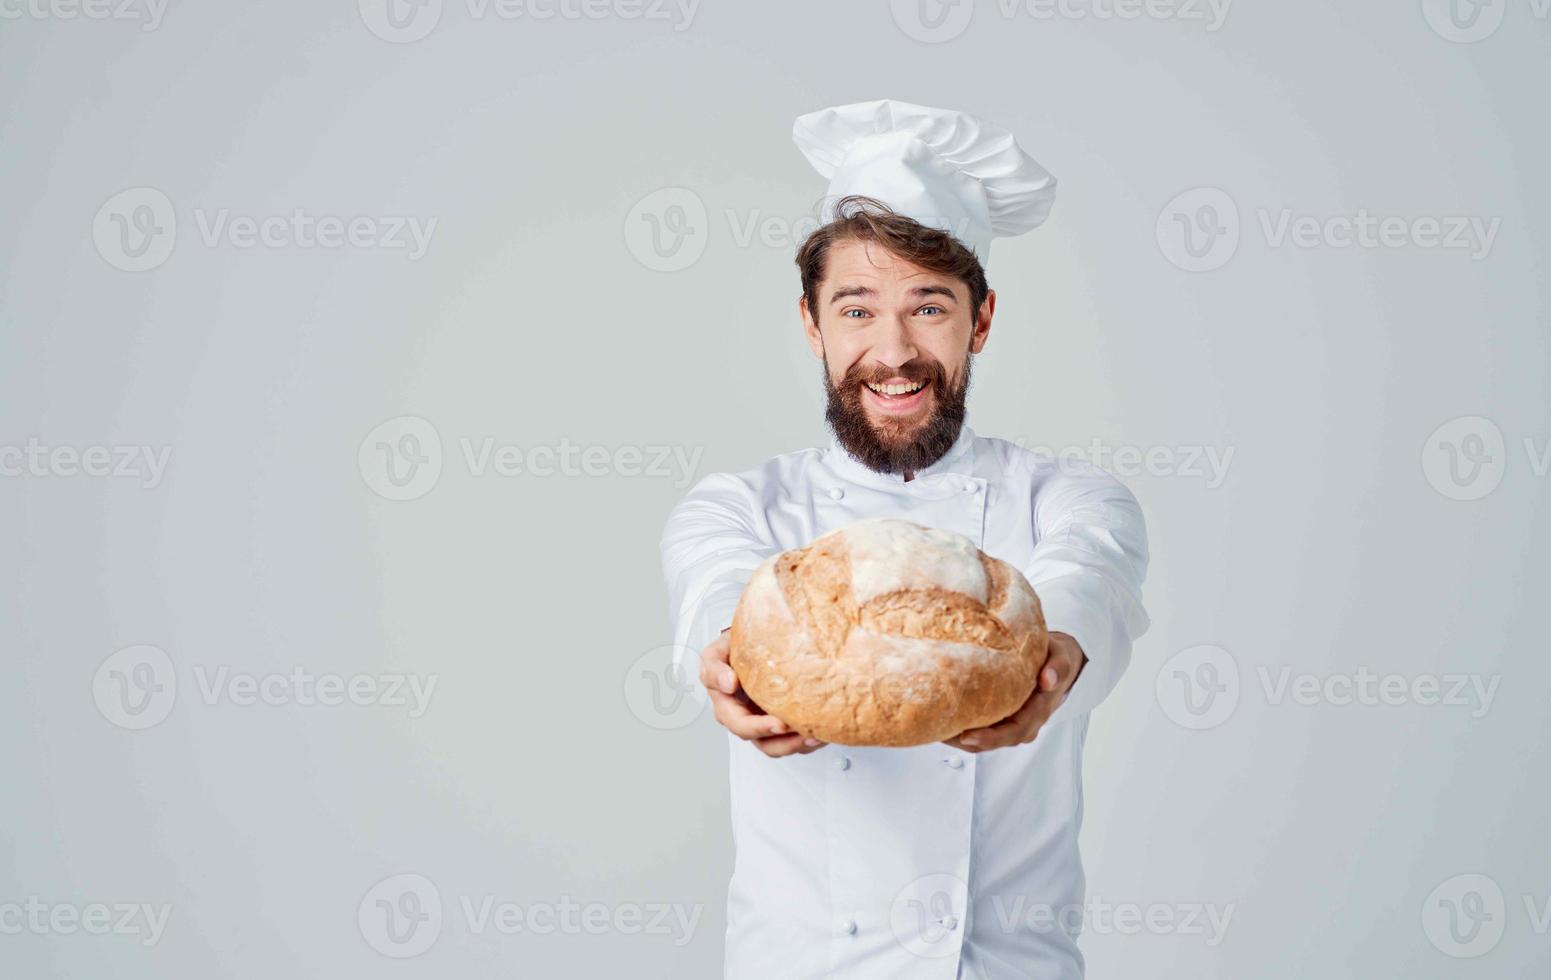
[[943, 168]]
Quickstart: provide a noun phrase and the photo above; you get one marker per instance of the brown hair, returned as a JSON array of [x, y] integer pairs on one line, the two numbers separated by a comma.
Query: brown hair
[[867, 219]]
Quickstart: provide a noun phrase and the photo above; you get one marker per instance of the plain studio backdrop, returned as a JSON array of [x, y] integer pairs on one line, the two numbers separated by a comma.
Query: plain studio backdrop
[[352, 356]]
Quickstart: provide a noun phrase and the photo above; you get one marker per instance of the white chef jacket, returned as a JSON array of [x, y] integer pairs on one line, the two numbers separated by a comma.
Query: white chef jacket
[[923, 862]]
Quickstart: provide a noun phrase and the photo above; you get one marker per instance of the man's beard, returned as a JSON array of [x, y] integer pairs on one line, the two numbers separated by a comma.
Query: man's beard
[[890, 445]]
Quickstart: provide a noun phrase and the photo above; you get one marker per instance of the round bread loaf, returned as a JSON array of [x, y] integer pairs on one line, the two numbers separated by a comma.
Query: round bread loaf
[[884, 632]]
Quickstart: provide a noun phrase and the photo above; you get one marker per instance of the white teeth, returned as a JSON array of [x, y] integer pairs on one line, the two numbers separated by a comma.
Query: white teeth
[[903, 389]]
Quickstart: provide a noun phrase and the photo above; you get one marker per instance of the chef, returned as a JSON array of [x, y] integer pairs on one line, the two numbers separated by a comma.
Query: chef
[[957, 859]]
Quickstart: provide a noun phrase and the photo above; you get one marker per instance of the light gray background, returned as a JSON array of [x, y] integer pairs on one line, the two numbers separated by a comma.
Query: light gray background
[[538, 314]]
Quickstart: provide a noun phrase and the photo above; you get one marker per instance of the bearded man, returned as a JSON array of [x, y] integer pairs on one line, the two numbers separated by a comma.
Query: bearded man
[[912, 862]]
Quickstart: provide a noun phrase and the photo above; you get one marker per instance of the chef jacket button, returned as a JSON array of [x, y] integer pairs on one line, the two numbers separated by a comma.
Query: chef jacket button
[[843, 763], [954, 763], [950, 923], [835, 493], [970, 486], [850, 927]]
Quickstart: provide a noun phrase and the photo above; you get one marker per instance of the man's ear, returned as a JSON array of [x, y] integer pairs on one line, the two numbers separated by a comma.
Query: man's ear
[[982, 330], [810, 327]]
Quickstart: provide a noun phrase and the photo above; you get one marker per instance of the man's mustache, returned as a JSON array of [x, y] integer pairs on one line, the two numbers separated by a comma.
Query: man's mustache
[[929, 371]]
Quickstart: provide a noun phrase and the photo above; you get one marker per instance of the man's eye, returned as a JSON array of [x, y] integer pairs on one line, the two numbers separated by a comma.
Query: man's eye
[[859, 313], [930, 309]]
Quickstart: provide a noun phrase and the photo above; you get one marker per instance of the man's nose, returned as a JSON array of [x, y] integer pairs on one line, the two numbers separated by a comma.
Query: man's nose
[[894, 345]]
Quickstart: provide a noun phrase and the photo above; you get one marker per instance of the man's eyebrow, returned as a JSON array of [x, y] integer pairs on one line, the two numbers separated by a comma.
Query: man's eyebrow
[[932, 290]]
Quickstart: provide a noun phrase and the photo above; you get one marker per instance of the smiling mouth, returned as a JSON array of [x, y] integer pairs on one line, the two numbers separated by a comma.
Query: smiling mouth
[[897, 397]]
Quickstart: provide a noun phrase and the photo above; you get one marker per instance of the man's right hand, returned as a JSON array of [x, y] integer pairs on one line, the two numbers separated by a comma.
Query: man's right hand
[[741, 716]]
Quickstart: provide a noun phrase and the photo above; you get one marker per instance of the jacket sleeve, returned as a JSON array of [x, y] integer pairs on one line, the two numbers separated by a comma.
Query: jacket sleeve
[[1089, 561], [711, 545]]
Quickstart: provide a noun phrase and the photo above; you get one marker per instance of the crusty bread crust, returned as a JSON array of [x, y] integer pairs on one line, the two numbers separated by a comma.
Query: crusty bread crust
[[918, 659]]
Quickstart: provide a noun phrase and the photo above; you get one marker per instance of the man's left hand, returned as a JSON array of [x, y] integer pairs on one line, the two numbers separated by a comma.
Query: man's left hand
[[1065, 661]]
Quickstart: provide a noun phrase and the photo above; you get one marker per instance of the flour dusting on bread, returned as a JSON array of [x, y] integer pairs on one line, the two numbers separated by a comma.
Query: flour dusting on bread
[[889, 555]]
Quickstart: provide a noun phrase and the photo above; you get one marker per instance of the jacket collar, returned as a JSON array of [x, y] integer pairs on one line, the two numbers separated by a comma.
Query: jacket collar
[[958, 459]]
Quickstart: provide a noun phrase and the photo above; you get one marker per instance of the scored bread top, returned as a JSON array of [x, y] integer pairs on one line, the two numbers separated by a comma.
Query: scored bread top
[[883, 632], [897, 579]]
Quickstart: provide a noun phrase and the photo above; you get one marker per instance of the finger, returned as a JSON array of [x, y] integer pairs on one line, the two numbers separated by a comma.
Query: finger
[[1022, 727], [998, 736], [986, 739], [716, 673], [795, 743], [1059, 670], [738, 718], [958, 742]]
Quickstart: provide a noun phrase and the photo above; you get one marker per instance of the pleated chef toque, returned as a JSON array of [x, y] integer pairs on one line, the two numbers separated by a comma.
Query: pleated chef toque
[[945, 169]]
